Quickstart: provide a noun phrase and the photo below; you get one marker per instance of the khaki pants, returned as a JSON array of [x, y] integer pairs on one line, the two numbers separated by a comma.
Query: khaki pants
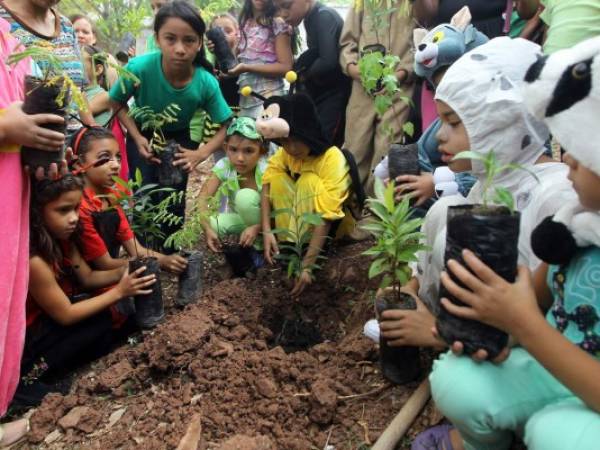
[[367, 137]]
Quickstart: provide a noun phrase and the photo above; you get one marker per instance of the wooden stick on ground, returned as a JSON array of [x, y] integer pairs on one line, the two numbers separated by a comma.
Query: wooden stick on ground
[[403, 420]]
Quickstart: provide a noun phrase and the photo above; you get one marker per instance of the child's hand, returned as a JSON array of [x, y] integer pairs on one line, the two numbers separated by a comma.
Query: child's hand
[[270, 247], [188, 159], [480, 355], [420, 187], [489, 298], [23, 129], [131, 52], [212, 241], [302, 282], [135, 284], [145, 151], [173, 263], [248, 236], [237, 70]]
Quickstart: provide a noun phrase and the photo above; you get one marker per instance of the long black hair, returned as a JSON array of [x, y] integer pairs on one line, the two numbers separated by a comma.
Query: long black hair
[[41, 242], [265, 20], [180, 9]]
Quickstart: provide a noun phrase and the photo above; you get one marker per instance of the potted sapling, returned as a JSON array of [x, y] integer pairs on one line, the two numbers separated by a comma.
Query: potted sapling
[[52, 93], [491, 231], [146, 215], [168, 174], [185, 239], [398, 240]]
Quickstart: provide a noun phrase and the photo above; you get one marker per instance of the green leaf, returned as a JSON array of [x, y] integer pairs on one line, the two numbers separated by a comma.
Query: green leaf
[[504, 197], [408, 128], [469, 155], [378, 267]]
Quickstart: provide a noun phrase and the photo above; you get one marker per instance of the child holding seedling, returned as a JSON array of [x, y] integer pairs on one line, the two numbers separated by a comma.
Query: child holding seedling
[[548, 387], [180, 75], [307, 174], [480, 103], [16, 128], [61, 332], [242, 172], [264, 53], [104, 226]]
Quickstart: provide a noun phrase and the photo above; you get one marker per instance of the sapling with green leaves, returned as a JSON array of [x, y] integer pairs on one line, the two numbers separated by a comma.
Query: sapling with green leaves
[[155, 122], [493, 168], [397, 236]]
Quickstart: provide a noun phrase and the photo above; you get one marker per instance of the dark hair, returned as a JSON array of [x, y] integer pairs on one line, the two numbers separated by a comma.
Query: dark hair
[[182, 10], [265, 20], [41, 242], [75, 17], [98, 57], [81, 140]]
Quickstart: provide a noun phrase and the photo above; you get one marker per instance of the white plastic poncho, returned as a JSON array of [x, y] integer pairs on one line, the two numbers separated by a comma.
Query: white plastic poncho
[[484, 88]]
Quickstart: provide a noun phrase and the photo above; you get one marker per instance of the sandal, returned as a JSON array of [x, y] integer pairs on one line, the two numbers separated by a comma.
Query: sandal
[[13, 432], [435, 438]]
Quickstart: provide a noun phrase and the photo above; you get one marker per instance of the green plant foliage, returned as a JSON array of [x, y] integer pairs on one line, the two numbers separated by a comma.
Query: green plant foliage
[[153, 121], [145, 214], [378, 74], [296, 239], [397, 235], [493, 168]]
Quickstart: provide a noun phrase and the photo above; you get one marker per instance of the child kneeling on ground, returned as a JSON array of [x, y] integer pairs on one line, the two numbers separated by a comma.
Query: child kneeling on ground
[[103, 224], [238, 180], [548, 387], [62, 332], [307, 174]]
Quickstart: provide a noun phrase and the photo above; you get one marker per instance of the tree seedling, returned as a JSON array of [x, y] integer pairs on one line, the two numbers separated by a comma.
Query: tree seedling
[[155, 122]]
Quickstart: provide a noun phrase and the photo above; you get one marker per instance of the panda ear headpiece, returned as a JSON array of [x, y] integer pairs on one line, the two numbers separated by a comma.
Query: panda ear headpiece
[[290, 116]]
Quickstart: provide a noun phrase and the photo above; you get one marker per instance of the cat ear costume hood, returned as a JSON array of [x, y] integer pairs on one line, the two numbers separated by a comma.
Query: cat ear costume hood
[[563, 89], [444, 44]]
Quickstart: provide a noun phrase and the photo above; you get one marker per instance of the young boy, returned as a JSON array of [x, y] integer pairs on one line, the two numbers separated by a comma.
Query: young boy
[[318, 67]]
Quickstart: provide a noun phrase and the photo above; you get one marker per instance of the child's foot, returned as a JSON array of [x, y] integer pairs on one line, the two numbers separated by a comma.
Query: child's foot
[[12, 432], [441, 437]]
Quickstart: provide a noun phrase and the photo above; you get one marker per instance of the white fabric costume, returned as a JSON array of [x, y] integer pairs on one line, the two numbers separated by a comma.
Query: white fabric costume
[[484, 88]]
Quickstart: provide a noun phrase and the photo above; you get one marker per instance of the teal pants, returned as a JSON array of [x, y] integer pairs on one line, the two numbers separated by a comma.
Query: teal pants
[[246, 205], [488, 403]]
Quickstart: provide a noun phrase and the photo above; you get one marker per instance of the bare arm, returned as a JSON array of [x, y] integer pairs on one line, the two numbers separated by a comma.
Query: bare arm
[[172, 263], [93, 279], [107, 262], [100, 103], [126, 119], [316, 244]]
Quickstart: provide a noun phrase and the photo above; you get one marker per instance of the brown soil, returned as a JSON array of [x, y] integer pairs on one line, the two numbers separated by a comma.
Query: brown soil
[[218, 359]]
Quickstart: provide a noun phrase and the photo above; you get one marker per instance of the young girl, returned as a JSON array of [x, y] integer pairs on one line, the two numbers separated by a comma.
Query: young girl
[[16, 128], [548, 387], [104, 226], [242, 171], [178, 74], [264, 53], [96, 92], [61, 332], [306, 174], [481, 106]]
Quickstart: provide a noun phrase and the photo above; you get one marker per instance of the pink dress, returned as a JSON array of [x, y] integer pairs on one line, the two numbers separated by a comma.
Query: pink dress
[[14, 231]]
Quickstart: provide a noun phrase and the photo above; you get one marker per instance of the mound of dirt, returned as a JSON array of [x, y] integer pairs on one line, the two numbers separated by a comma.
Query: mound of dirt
[[220, 358]]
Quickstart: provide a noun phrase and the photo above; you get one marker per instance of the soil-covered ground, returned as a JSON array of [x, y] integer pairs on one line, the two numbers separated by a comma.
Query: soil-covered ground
[[260, 370]]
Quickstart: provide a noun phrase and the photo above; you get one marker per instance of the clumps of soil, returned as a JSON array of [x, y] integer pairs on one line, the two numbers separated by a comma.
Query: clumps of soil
[[216, 359]]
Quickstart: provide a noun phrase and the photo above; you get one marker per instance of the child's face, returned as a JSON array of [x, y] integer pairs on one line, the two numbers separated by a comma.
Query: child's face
[[61, 215], [292, 11], [155, 5], [91, 72], [294, 147], [84, 32], [101, 178], [230, 29], [452, 137], [585, 182], [243, 153], [178, 42]]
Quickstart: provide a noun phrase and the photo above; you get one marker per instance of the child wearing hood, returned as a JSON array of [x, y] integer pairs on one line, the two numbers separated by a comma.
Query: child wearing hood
[[480, 102], [547, 387]]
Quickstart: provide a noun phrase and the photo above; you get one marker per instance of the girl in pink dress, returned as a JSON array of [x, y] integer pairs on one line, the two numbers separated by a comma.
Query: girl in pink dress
[[16, 128]]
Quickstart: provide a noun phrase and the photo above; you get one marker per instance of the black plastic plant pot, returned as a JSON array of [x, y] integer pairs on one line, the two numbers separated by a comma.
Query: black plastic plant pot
[[239, 258], [190, 280], [40, 98], [168, 174], [373, 48], [149, 309], [399, 365], [403, 160], [223, 53], [127, 42], [491, 233]]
